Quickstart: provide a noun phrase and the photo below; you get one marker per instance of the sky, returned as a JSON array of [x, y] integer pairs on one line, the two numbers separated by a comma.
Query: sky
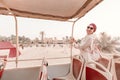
[[106, 16]]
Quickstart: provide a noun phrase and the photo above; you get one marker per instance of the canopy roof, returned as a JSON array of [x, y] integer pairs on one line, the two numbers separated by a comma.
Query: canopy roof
[[49, 9], [8, 45]]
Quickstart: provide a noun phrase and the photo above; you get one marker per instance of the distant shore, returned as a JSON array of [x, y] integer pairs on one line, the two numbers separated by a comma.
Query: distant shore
[[32, 56]]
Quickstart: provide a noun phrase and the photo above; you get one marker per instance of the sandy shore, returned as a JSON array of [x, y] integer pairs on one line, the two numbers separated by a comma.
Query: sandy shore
[[31, 56]]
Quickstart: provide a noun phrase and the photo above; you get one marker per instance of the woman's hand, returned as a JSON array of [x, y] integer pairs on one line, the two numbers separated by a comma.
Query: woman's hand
[[72, 40]]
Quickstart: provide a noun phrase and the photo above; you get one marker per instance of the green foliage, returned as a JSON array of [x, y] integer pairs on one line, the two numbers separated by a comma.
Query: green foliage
[[108, 44]]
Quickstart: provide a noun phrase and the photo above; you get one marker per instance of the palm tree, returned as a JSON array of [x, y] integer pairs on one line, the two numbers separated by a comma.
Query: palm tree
[[108, 44], [42, 35], [36, 40]]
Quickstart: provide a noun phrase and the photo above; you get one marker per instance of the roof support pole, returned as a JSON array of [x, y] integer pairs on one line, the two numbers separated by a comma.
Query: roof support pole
[[16, 26], [72, 37], [71, 47]]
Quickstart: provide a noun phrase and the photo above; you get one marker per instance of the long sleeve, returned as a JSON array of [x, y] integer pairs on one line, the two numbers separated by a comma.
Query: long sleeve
[[87, 48], [86, 43]]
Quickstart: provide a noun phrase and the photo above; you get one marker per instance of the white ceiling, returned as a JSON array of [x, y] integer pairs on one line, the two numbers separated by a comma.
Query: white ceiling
[[49, 9]]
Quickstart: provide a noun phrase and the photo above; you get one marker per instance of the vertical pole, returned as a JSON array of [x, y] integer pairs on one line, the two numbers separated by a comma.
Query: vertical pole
[[17, 44], [71, 43], [71, 48], [17, 41]]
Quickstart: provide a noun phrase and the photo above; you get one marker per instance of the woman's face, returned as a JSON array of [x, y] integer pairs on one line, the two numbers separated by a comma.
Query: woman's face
[[90, 29]]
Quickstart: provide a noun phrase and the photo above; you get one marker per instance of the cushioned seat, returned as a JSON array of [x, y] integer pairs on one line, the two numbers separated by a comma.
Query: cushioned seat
[[43, 74], [93, 73], [3, 60], [76, 69]]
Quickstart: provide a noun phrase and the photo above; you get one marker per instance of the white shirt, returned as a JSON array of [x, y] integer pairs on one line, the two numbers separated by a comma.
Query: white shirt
[[86, 46]]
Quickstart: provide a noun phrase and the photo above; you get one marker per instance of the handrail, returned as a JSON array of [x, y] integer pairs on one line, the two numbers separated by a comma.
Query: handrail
[[38, 59]]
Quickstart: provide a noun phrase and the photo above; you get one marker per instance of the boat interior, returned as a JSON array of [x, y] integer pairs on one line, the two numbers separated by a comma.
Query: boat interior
[[70, 67]]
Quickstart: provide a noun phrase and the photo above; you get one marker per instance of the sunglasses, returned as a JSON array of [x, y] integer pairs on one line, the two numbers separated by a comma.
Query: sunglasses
[[89, 27]]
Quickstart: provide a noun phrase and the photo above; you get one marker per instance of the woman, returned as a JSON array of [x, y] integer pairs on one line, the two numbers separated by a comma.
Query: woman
[[87, 46]]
